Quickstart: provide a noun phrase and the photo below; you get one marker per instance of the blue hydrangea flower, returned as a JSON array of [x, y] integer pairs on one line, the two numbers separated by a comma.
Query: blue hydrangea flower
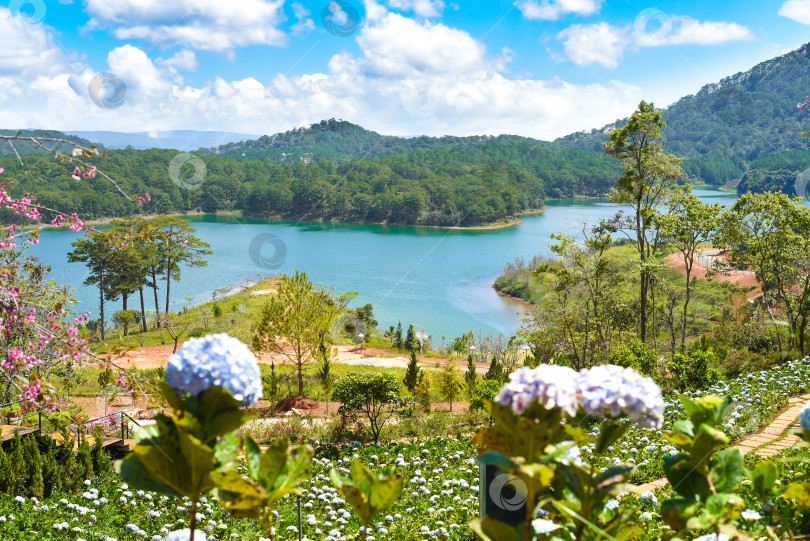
[[215, 360], [804, 417], [554, 386], [614, 391]]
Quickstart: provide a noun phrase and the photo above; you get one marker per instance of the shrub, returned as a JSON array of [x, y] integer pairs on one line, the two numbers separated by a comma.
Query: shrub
[[637, 356], [374, 397], [484, 390], [694, 369]]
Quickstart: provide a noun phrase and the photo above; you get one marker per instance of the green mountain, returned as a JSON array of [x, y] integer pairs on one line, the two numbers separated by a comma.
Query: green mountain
[[472, 185], [728, 126], [27, 147], [340, 141]]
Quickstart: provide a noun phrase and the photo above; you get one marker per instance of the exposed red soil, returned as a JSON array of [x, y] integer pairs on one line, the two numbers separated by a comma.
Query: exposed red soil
[[700, 269]]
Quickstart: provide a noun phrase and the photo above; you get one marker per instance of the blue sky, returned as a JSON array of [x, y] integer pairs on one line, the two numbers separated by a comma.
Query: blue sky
[[540, 68]]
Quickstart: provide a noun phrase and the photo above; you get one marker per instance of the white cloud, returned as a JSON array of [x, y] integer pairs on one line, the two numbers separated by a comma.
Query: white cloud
[[304, 24], [399, 45], [184, 60], [798, 10], [605, 44], [423, 79], [688, 31], [553, 9], [598, 43], [423, 8], [199, 24], [27, 48]]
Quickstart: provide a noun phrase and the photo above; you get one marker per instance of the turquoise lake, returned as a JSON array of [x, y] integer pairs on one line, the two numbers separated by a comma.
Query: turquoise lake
[[439, 280]]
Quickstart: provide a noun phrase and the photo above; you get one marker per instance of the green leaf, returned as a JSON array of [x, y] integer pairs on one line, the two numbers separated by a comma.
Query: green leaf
[[681, 471], [273, 462], [253, 456], [684, 426], [800, 493], [494, 458], [609, 434], [366, 492], [241, 497], [706, 409], [226, 450], [613, 476], [763, 479], [171, 396], [520, 436], [132, 471], [490, 529], [675, 512], [727, 470]]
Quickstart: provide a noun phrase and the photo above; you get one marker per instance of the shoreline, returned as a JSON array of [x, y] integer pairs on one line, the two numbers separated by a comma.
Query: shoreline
[[496, 226], [500, 293]]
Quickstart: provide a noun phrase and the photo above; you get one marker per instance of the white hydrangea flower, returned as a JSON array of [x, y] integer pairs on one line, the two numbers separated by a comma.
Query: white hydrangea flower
[[216, 360], [184, 535], [554, 386], [804, 417], [613, 391]]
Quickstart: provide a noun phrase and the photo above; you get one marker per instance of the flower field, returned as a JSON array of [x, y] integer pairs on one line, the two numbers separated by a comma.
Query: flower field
[[439, 500]]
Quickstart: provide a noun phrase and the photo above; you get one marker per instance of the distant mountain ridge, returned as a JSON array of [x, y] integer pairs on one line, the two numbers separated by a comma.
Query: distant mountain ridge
[[185, 140], [728, 125], [341, 141], [27, 147]]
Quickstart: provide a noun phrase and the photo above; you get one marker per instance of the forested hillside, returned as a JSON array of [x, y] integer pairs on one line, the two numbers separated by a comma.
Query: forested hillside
[[728, 125], [467, 186], [341, 141], [27, 147]]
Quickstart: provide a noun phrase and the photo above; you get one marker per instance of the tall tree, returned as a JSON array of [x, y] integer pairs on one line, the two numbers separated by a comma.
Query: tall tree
[[411, 344], [770, 233], [295, 321], [649, 175], [175, 246], [98, 253], [412, 373], [689, 223]]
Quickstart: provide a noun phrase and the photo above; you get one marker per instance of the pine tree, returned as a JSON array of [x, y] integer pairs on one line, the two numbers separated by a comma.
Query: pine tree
[[36, 485], [6, 473], [451, 384], [19, 466], [470, 377], [495, 371], [410, 339], [398, 336], [422, 390], [412, 373]]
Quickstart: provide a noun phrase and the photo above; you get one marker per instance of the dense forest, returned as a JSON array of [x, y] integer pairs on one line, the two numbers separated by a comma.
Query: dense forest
[[340, 141], [465, 186], [27, 147], [727, 126]]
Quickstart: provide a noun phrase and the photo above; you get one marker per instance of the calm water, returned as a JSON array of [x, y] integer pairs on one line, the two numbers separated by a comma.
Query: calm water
[[436, 279]]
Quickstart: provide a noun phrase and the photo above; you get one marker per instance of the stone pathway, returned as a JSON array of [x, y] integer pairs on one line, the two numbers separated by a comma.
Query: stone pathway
[[772, 440]]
